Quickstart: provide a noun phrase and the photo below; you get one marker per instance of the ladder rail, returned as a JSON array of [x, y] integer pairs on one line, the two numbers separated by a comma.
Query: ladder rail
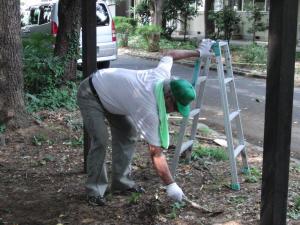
[[227, 123], [238, 122], [199, 101]]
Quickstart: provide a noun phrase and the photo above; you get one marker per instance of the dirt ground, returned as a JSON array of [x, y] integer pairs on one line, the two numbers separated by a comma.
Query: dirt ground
[[42, 182]]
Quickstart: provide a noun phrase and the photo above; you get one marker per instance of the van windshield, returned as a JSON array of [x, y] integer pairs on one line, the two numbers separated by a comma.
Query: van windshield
[[102, 15]]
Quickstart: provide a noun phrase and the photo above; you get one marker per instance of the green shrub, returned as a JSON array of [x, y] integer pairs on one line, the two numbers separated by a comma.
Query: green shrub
[[53, 98], [136, 42], [124, 27], [226, 21], [150, 34], [41, 69], [122, 19], [147, 30], [256, 22], [254, 54]]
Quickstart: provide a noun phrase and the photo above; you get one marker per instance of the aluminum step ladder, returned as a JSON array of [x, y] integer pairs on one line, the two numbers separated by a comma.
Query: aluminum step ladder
[[231, 112]]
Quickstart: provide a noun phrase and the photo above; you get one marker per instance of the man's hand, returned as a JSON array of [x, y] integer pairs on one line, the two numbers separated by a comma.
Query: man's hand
[[204, 47], [175, 192]]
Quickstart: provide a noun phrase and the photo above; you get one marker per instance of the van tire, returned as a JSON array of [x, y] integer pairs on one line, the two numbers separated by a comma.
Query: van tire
[[103, 65]]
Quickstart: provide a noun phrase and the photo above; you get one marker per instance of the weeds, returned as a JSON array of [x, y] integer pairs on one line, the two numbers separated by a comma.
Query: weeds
[[38, 140], [253, 53], [205, 131], [41, 68], [2, 128], [175, 208], [254, 176], [134, 198], [294, 212], [237, 199], [53, 99], [74, 124], [77, 141], [216, 153]]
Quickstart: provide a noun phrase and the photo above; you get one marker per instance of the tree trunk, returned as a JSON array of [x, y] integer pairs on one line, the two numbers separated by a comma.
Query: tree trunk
[[156, 20], [69, 14], [185, 27], [12, 107], [209, 24]]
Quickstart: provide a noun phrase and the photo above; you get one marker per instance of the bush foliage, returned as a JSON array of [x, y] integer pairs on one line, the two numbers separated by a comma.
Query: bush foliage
[[42, 69]]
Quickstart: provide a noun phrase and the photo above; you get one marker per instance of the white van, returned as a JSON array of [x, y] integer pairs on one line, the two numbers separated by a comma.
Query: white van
[[44, 18]]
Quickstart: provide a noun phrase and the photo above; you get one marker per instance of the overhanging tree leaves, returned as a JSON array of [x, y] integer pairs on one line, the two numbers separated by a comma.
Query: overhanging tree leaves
[[12, 107]]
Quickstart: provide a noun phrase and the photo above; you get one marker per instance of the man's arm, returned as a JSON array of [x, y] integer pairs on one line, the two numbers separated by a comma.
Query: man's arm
[[181, 54], [162, 168], [203, 50], [160, 164]]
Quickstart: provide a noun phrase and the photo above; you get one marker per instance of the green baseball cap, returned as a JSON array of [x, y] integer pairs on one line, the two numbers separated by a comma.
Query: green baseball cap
[[184, 93]]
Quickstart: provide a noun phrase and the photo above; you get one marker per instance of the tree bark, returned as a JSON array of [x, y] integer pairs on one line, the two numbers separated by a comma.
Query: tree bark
[[209, 24], [69, 16], [12, 106]]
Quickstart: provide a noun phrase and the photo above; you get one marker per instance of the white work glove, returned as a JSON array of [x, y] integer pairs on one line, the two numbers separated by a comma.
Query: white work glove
[[174, 192], [204, 47]]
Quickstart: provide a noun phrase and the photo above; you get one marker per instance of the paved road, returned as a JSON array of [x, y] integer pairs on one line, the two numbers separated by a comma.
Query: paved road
[[251, 95]]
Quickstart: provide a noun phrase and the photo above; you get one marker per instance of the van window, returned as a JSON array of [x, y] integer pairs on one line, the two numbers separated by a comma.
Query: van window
[[34, 16], [102, 15], [45, 14], [37, 15], [25, 17]]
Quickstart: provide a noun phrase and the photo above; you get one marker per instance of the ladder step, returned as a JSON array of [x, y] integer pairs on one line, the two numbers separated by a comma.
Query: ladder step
[[186, 145], [228, 79], [238, 150], [201, 79], [194, 112], [233, 115], [223, 43]]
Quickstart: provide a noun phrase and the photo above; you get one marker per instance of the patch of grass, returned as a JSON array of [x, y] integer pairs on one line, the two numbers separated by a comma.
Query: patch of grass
[[134, 198], [216, 153]]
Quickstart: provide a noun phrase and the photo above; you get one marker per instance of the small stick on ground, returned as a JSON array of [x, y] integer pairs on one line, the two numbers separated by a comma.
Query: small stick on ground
[[197, 206]]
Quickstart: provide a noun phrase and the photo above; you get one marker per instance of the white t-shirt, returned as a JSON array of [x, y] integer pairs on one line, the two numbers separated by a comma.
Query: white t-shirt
[[131, 93]]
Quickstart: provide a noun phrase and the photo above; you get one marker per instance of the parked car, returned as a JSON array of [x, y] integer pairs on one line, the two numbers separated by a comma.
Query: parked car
[[44, 18]]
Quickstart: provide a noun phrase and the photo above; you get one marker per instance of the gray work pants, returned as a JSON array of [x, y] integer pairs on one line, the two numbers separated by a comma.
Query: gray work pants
[[124, 138]]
